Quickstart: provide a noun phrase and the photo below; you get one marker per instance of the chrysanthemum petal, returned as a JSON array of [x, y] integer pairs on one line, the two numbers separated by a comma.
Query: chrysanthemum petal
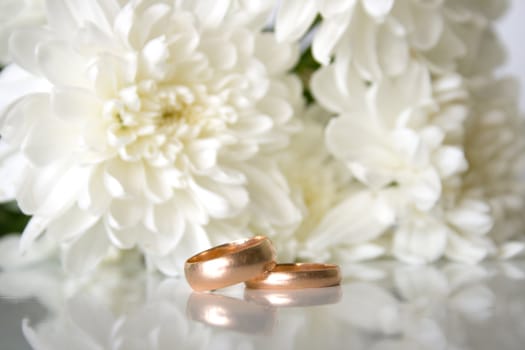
[[125, 213], [194, 240], [294, 18], [328, 35], [70, 224], [87, 251], [51, 57], [74, 104], [420, 241], [358, 219], [378, 8], [22, 47], [465, 250], [32, 231]]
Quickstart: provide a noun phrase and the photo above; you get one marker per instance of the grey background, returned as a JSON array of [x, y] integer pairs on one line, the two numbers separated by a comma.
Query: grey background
[[512, 31]]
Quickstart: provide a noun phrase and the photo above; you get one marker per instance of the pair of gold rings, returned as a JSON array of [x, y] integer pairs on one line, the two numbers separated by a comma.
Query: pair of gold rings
[[252, 261]]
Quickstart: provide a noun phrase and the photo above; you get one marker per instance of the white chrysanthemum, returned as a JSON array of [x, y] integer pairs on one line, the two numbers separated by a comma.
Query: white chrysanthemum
[[384, 134], [382, 37], [315, 183], [437, 212], [16, 14], [401, 138], [464, 216], [457, 225], [158, 120], [405, 137]]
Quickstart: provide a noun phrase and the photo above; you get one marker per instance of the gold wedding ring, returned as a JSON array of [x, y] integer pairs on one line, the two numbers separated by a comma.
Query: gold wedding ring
[[230, 263], [297, 276]]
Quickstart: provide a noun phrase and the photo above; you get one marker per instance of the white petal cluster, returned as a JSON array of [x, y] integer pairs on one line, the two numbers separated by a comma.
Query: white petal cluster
[[438, 141], [158, 117], [383, 37]]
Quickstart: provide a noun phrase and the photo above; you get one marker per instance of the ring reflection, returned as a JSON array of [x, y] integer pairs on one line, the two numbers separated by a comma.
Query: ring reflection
[[294, 297], [230, 313]]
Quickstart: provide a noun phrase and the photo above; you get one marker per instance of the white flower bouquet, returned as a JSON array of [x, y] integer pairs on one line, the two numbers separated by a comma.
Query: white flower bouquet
[[344, 130]]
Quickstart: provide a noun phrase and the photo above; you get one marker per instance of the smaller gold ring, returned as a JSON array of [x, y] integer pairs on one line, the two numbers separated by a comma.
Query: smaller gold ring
[[230, 263], [297, 276]]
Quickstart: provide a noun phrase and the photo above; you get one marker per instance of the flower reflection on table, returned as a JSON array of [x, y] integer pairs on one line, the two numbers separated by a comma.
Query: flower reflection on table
[[389, 306]]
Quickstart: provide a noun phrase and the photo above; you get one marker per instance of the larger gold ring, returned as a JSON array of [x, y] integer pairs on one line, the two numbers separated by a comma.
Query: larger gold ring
[[296, 276], [230, 263]]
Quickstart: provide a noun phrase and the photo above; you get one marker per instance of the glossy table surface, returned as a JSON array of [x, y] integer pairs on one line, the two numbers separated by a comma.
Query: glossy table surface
[[383, 305]]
